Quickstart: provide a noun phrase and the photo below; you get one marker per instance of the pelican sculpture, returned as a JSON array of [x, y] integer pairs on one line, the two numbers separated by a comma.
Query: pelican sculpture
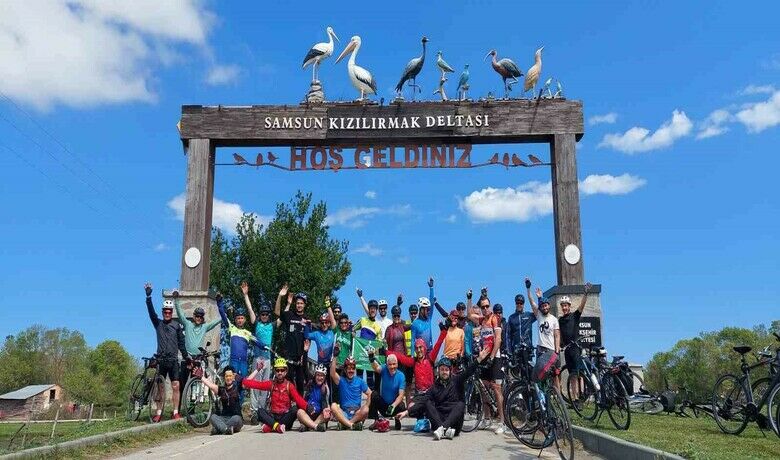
[[319, 53], [507, 69], [463, 83], [361, 78], [532, 76], [411, 71]]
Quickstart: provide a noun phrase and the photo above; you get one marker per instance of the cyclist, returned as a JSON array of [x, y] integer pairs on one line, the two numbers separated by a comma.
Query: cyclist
[[350, 411], [454, 343], [294, 323], [368, 328], [263, 339], [569, 322], [490, 338], [421, 327], [520, 326], [383, 320], [445, 405], [422, 365], [409, 372], [240, 336], [227, 419], [323, 338], [498, 311], [462, 317], [170, 342], [195, 330], [317, 412], [390, 397], [549, 335], [280, 414], [468, 329]]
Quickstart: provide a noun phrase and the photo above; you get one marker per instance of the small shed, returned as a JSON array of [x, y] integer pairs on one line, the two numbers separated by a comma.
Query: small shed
[[35, 398]]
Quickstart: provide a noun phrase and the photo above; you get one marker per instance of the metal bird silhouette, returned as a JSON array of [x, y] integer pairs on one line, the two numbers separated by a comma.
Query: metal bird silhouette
[[271, 157], [505, 160], [534, 160], [517, 161], [494, 159], [239, 159], [259, 160]]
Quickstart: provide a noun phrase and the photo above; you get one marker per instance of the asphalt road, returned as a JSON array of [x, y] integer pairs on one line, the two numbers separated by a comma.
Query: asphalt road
[[346, 444]]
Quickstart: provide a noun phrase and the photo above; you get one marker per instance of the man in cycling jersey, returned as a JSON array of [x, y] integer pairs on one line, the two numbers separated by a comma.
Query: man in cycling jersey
[[293, 322], [422, 365], [170, 342], [569, 322], [240, 336], [520, 328], [549, 336], [383, 320], [490, 337], [280, 415], [421, 327], [413, 312], [350, 411], [227, 417], [368, 328], [390, 397], [263, 340], [317, 412], [323, 338]]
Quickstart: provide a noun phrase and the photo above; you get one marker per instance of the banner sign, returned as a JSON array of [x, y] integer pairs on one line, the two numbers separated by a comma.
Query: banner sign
[[359, 347], [590, 328]]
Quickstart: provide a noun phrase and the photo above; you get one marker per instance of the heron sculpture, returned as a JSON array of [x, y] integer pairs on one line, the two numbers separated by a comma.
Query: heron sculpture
[[532, 76], [463, 83], [507, 69], [319, 53], [361, 78], [411, 71]]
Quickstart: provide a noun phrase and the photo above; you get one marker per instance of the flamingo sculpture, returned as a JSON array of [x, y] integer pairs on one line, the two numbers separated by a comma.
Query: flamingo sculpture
[[532, 76], [507, 69], [411, 71], [463, 83], [319, 53], [361, 78]]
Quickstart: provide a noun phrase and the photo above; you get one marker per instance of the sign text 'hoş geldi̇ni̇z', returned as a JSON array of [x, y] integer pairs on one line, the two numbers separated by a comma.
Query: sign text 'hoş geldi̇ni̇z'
[[381, 156]]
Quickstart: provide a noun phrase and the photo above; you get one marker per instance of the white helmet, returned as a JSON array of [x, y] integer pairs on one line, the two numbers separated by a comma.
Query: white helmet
[[168, 304], [320, 369], [382, 302], [424, 302], [564, 299]]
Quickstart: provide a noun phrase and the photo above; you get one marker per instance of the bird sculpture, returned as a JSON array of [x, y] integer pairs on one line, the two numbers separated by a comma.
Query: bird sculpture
[[411, 71], [516, 161], [463, 83], [494, 159], [259, 160], [361, 78], [319, 53], [534, 160], [558, 93], [507, 69], [271, 157], [239, 159], [546, 88], [445, 68], [505, 160], [532, 76]]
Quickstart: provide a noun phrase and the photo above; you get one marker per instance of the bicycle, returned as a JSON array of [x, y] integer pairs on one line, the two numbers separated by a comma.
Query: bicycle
[[147, 391], [198, 402], [475, 392], [734, 402], [604, 394]]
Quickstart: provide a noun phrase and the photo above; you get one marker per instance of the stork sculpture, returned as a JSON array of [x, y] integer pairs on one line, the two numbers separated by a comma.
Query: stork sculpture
[[411, 71], [507, 69], [532, 76], [361, 78], [319, 53], [463, 83], [445, 68]]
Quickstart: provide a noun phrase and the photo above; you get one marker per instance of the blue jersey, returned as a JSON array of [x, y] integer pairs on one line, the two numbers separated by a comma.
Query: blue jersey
[[317, 396], [324, 341], [264, 333], [421, 328], [520, 329]]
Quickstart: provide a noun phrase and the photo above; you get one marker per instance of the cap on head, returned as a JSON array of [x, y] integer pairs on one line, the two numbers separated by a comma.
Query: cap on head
[[265, 307], [350, 362], [419, 343], [239, 312], [324, 317], [454, 313], [302, 296], [320, 369], [460, 306]]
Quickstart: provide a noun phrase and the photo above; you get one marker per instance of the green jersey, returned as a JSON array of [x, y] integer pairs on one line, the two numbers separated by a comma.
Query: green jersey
[[193, 333]]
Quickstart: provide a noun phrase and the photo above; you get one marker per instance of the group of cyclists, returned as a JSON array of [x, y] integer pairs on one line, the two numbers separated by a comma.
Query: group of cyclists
[[410, 375]]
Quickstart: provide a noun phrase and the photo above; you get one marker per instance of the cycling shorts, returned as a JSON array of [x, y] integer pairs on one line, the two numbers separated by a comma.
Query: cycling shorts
[[493, 373], [169, 368], [573, 359]]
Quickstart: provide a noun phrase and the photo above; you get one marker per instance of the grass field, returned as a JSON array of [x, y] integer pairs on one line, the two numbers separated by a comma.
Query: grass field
[[693, 438], [38, 433]]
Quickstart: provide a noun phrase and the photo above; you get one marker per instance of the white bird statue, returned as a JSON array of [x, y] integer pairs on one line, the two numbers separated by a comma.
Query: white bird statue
[[532, 76], [319, 53], [442, 64], [361, 78], [546, 89]]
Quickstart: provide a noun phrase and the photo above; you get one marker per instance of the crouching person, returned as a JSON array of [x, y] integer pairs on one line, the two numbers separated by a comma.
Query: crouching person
[[280, 414], [390, 397], [317, 412], [227, 419], [350, 411]]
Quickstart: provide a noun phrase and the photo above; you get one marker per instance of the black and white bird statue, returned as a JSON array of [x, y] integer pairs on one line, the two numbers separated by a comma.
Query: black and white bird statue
[[361, 78], [411, 71], [319, 53]]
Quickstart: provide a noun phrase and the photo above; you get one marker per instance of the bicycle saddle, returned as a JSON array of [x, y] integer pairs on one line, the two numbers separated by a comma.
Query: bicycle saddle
[[742, 350]]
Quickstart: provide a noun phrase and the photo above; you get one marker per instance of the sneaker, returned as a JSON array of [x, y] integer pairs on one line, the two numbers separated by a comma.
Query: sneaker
[[214, 431], [229, 431], [156, 418], [303, 429], [397, 425], [322, 427], [450, 433], [265, 428], [341, 427], [281, 428], [176, 416], [487, 425], [357, 426], [438, 433], [500, 430]]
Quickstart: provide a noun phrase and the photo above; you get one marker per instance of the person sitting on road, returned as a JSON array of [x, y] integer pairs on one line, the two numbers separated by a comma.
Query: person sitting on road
[[390, 396], [170, 342], [317, 413], [350, 411], [422, 363], [227, 419], [445, 406], [280, 414]]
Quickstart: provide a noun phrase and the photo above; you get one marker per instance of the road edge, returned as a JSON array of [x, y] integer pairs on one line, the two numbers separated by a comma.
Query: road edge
[[611, 447]]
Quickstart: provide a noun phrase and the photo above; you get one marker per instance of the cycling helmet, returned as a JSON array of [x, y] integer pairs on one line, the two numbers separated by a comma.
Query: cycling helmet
[[239, 312], [382, 303], [320, 369], [302, 296], [324, 317], [498, 308], [424, 302], [199, 312], [519, 298], [280, 363], [444, 361], [460, 306], [337, 308], [350, 361], [564, 299], [265, 307], [395, 311], [167, 304], [413, 308], [373, 304], [543, 300]]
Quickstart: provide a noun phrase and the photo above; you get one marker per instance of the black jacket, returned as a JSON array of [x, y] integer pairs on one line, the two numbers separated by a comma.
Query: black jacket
[[453, 390], [170, 336]]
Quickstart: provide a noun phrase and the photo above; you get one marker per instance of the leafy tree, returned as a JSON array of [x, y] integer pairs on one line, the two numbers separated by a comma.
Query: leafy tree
[[105, 378]]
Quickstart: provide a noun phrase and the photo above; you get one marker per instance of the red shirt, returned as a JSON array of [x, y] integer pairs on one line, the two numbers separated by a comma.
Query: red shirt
[[423, 368], [282, 394], [394, 336]]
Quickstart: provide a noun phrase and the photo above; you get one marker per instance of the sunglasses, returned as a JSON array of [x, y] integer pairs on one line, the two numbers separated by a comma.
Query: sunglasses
[[396, 316], [484, 306], [350, 368], [264, 313], [278, 371]]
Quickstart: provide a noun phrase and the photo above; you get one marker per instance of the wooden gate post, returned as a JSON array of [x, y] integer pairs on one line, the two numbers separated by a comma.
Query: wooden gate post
[[566, 207], [197, 214]]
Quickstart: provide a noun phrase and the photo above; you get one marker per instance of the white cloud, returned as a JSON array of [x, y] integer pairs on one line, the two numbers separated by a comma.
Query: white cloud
[[534, 199], [714, 124], [85, 53], [160, 247], [608, 118], [638, 139], [451, 219], [224, 215], [761, 115], [369, 249], [222, 74], [370, 194], [356, 217], [750, 90]]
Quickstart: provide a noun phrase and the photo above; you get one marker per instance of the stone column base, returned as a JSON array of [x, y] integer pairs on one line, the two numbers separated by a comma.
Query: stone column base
[[189, 301]]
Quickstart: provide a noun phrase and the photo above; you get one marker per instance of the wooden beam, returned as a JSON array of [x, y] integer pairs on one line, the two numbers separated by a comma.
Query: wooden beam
[[197, 213], [566, 207], [513, 121]]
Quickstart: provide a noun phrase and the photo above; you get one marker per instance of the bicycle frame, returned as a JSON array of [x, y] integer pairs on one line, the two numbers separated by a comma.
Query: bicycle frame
[[745, 381]]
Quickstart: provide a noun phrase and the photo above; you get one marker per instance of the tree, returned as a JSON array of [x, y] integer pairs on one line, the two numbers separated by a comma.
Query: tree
[[105, 377], [295, 247]]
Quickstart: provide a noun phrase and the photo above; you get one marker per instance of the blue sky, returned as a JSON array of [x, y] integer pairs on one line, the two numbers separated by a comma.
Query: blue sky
[[679, 203]]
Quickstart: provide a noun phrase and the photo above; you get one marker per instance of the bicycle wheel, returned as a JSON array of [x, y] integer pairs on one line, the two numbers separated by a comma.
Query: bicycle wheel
[[585, 404], [560, 424], [516, 409], [532, 433], [760, 388], [156, 396], [773, 409], [651, 406], [472, 416], [729, 399], [617, 402], [135, 400], [197, 403]]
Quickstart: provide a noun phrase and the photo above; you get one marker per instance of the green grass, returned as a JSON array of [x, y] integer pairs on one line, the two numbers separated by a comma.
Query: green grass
[[38, 433], [693, 438]]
